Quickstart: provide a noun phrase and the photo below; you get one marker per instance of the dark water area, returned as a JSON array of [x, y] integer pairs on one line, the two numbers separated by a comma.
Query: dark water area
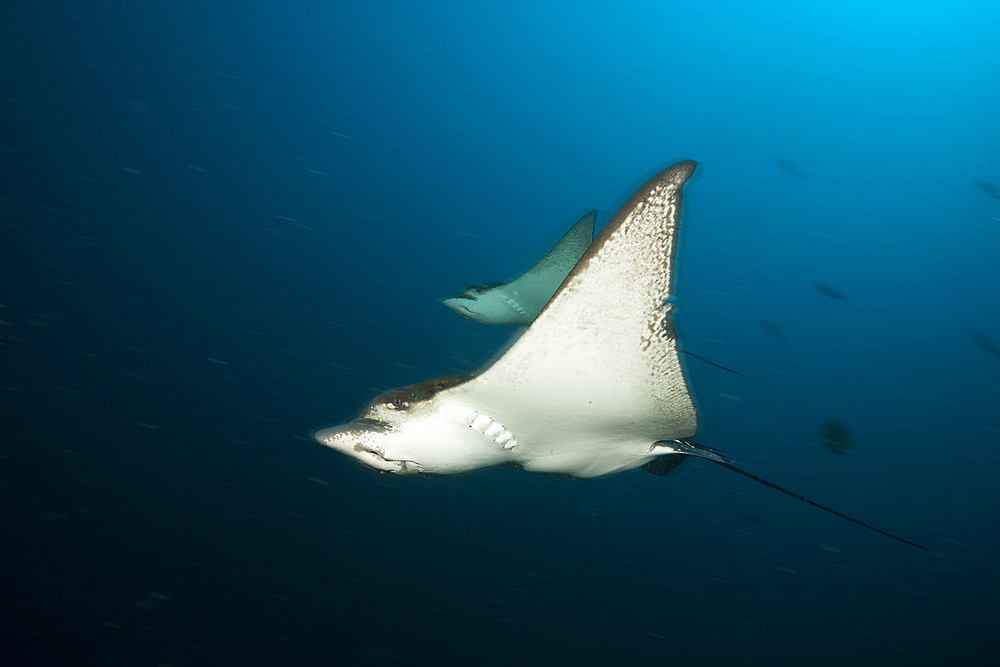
[[226, 224]]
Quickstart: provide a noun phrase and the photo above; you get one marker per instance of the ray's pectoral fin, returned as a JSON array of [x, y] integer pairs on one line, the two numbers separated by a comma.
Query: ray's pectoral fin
[[520, 300], [690, 448]]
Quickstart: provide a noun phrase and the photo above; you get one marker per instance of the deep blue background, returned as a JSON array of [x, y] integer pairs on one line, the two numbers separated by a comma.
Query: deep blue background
[[225, 223]]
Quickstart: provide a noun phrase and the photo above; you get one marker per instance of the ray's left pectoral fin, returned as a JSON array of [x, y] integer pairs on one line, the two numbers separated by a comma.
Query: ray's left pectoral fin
[[567, 252], [520, 300]]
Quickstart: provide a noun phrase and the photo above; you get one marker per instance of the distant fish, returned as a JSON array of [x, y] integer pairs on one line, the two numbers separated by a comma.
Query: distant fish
[[771, 328], [830, 291], [836, 437], [985, 343], [988, 188], [789, 167]]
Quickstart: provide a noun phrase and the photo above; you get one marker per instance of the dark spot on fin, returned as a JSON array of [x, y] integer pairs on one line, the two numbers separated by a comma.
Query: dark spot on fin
[[664, 464]]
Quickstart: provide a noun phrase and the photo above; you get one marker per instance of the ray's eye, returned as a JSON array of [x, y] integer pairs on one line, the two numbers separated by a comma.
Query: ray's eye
[[397, 404]]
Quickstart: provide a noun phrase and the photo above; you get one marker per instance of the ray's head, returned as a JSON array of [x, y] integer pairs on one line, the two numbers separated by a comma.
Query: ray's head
[[475, 303], [465, 303], [399, 432], [496, 303]]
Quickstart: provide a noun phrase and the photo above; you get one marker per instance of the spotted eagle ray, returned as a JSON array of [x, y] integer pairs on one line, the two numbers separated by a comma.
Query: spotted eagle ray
[[593, 387], [520, 300]]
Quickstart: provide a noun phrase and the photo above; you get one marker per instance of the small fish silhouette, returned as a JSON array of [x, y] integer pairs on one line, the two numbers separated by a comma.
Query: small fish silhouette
[[830, 291], [836, 437], [789, 167], [985, 343], [988, 188], [771, 328]]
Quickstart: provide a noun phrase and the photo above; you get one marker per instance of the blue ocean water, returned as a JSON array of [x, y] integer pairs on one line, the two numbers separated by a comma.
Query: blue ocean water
[[225, 224]]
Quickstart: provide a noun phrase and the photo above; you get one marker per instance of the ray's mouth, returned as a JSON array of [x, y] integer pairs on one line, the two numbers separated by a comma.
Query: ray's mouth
[[376, 460], [465, 311]]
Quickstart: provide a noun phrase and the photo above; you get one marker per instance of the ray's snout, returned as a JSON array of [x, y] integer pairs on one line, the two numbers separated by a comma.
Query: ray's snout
[[458, 304], [325, 434], [330, 435], [362, 441]]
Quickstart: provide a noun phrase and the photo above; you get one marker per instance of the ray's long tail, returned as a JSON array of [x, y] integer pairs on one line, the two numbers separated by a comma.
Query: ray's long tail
[[694, 449]]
